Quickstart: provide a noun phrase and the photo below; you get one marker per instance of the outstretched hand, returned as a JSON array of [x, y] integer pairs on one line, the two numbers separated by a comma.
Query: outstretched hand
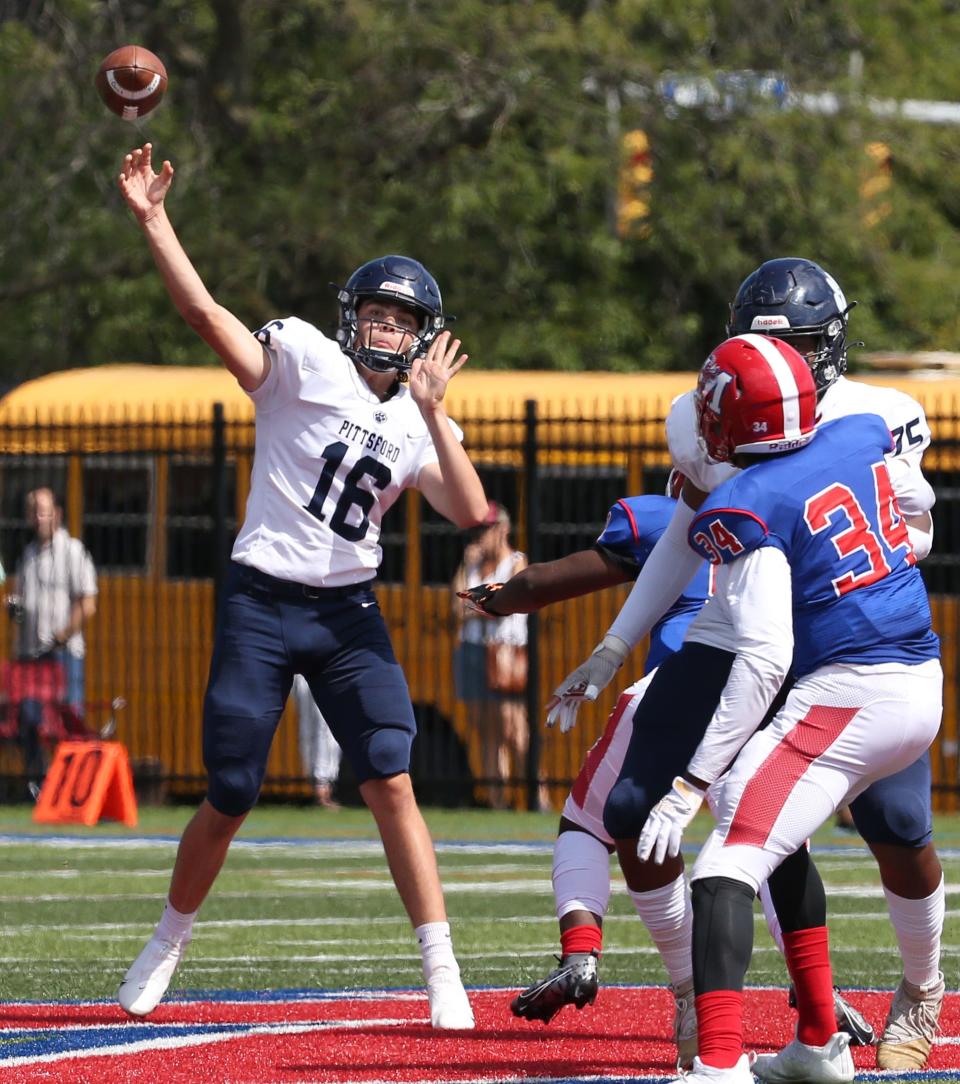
[[142, 188], [478, 598], [430, 374]]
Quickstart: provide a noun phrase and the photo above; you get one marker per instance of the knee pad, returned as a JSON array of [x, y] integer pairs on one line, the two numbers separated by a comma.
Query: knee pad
[[233, 786], [895, 815], [387, 753], [626, 809], [722, 933]]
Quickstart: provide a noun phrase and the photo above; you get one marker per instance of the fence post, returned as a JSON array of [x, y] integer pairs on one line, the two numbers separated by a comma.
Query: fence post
[[532, 525], [219, 504]]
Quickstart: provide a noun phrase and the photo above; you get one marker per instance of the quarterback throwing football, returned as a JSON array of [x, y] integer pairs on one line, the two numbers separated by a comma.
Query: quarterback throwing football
[[342, 428]]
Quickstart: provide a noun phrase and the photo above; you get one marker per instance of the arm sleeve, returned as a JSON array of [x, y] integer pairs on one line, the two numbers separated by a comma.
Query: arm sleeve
[[756, 594], [671, 566], [914, 493], [922, 541]]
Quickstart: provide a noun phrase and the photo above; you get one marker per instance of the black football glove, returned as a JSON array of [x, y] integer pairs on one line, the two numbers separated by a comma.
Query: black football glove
[[478, 598]]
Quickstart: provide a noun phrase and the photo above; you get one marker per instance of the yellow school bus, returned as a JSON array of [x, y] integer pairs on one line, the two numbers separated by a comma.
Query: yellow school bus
[[153, 466]]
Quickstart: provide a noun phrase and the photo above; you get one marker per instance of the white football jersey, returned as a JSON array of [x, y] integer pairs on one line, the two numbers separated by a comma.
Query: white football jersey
[[330, 459], [903, 415]]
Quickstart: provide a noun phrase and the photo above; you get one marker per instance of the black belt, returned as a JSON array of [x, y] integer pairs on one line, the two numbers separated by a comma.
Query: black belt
[[292, 589]]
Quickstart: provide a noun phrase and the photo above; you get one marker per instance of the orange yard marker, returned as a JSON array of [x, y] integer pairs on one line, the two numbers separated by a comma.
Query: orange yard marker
[[86, 781]]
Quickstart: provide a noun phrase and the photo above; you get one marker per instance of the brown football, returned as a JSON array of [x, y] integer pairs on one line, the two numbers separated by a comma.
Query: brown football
[[131, 81]]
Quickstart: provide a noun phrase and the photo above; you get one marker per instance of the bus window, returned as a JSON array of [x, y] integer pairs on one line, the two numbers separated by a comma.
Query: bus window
[[393, 542], [117, 506], [574, 502], [941, 570], [655, 480], [18, 476], [191, 527]]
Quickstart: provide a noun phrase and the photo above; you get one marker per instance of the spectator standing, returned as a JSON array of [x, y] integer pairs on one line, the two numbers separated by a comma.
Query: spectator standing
[[56, 594], [490, 663]]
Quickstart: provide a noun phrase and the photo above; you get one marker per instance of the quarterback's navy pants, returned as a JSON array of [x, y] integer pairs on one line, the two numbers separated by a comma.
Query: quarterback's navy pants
[[669, 723], [267, 631]]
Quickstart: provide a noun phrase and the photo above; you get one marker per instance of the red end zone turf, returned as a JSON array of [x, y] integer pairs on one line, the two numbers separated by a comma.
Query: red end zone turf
[[386, 1037]]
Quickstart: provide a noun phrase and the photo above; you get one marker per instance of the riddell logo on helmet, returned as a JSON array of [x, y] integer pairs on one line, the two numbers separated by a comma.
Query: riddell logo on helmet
[[761, 323], [397, 288], [788, 445]]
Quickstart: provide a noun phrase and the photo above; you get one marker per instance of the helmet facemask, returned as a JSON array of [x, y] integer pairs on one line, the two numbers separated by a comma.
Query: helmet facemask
[[828, 359], [350, 335]]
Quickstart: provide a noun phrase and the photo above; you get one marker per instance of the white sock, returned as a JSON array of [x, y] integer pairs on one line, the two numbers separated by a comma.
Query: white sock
[[581, 874], [918, 925], [667, 913], [770, 914], [175, 926], [436, 948]]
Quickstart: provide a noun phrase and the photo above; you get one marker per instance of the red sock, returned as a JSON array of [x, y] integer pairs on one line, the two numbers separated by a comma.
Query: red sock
[[808, 960], [581, 939], [720, 1028]]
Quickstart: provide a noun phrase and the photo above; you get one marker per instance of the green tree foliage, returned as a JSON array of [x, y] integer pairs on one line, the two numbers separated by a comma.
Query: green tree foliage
[[483, 137]]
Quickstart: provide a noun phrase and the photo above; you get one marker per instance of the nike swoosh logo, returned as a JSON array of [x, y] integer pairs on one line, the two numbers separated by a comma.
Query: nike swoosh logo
[[364, 605]]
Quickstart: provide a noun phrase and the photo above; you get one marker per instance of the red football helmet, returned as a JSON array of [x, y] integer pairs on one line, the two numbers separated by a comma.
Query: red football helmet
[[755, 394]]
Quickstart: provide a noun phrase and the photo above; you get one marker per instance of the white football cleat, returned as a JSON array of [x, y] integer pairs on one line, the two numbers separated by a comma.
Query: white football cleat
[[708, 1074], [911, 1025], [149, 975], [831, 1063], [449, 1005]]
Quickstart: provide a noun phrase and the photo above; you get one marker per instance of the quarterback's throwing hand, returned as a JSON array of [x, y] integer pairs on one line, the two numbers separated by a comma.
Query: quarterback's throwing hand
[[478, 598], [586, 682], [663, 831]]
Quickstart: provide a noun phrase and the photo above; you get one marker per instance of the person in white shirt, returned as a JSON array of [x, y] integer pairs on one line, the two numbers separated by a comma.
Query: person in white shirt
[[56, 594], [342, 428]]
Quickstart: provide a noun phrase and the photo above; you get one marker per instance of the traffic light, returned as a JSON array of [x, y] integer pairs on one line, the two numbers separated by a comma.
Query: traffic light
[[633, 192], [875, 187]]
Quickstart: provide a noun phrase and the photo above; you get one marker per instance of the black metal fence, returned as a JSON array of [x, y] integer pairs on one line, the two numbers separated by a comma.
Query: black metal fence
[[157, 502]]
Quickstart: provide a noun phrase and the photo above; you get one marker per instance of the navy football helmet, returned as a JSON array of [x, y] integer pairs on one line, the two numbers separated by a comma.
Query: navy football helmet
[[391, 278], [790, 298]]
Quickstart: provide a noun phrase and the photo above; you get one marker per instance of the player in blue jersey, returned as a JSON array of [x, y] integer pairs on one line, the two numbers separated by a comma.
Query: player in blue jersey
[[581, 855], [815, 567], [800, 302], [343, 427]]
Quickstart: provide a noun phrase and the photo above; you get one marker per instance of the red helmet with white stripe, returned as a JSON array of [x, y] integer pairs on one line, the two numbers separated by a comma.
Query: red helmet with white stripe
[[757, 395]]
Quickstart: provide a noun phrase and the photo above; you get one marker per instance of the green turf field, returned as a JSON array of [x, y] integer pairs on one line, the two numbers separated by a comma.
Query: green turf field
[[305, 900]]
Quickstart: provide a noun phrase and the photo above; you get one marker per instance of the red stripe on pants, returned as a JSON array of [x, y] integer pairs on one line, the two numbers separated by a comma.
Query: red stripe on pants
[[767, 792], [578, 792]]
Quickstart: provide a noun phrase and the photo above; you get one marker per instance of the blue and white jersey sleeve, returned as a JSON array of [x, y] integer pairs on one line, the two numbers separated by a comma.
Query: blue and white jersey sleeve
[[633, 526], [723, 530], [291, 344]]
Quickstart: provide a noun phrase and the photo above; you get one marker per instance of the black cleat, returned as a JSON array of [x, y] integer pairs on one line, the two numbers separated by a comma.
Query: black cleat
[[849, 1021], [574, 982]]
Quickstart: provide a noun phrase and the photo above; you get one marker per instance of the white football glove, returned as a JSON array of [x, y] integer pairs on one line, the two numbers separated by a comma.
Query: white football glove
[[667, 820], [586, 682]]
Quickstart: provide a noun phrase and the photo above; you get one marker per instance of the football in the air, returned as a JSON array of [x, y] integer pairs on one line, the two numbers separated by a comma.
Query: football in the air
[[131, 81]]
